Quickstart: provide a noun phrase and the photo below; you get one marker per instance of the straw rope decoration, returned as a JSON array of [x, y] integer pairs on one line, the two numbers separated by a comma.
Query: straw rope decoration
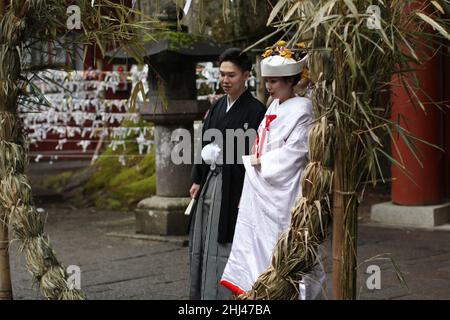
[[24, 23], [296, 251], [16, 206]]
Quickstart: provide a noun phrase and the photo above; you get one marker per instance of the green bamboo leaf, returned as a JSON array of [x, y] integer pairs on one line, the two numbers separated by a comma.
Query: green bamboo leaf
[[411, 146], [446, 5], [134, 96], [352, 7], [99, 43], [374, 136], [133, 53], [432, 145], [329, 5], [264, 39], [406, 42], [434, 24], [372, 42], [412, 95], [394, 141], [399, 274], [320, 18], [403, 169], [276, 9], [438, 6], [350, 58], [292, 11], [346, 27], [361, 107], [380, 171], [37, 93]]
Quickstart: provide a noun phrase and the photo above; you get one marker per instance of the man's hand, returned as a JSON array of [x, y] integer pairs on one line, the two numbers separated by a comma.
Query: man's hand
[[194, 190]]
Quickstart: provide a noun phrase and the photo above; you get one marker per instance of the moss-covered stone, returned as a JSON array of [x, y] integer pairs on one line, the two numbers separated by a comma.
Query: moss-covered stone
[[115, 187], [139, 190], [57, 182], [106, 203]]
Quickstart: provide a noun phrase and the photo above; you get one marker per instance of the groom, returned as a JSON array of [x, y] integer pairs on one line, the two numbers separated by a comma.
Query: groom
[[218, 188]]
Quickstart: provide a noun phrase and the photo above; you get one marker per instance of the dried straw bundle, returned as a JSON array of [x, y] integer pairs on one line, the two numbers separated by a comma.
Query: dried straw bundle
[[33, 21], [16, 207], [10, 127], [296, 251], [12, 157]]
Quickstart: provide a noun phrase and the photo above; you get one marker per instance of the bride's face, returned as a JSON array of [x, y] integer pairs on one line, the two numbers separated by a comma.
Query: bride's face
[[279, 88]]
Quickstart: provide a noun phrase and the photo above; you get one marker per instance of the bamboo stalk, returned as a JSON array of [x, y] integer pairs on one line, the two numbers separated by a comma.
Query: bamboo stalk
[[5, 273], [350, 249], [338, 213], [338, 231]]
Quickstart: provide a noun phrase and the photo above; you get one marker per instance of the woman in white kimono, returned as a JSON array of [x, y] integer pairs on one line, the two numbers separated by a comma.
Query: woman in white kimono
[[272, 178]]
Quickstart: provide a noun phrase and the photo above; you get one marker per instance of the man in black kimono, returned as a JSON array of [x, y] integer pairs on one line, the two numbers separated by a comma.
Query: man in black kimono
[[217, 183]]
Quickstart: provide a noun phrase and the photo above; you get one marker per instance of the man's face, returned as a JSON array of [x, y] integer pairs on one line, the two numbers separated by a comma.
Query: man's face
[[232, 79]]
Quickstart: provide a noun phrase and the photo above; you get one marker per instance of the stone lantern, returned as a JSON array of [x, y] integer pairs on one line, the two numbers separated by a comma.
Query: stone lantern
[[172, 105]]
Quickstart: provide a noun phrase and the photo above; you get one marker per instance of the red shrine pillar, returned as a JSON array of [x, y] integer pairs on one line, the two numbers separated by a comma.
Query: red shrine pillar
[[428, 187], [446, 71]]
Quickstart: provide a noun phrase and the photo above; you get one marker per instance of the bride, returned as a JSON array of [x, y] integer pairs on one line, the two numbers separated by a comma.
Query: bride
[[272, 177]]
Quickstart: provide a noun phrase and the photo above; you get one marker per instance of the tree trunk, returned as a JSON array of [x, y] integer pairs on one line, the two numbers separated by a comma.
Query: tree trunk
[[5, 274]]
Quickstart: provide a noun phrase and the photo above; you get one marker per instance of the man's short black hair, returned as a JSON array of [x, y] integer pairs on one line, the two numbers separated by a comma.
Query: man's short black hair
[[237, 57]]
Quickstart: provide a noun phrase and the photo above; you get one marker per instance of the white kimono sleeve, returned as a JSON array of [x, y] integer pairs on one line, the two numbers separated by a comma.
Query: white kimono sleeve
[[280, 165]]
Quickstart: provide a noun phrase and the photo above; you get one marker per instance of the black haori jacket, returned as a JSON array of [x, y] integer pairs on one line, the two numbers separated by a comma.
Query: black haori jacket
[[246, 113]]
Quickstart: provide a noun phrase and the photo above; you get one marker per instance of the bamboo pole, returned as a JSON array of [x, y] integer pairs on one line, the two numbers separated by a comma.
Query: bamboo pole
[[338, 231], [350, 247], [5, 273], [338, 212], [345, 206], [345, 230]]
